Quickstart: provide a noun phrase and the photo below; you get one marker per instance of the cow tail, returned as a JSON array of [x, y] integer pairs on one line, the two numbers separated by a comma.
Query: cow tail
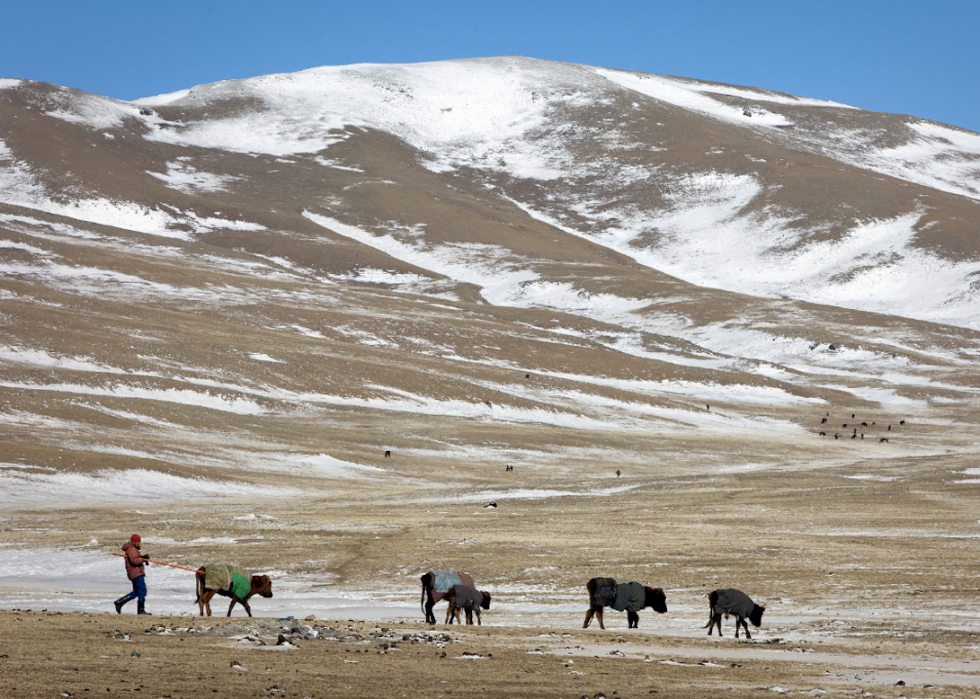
[[426, 585], [199, 585]]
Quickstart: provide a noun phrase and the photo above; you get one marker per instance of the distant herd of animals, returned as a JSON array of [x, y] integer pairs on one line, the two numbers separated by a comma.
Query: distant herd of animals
[[854, 434]]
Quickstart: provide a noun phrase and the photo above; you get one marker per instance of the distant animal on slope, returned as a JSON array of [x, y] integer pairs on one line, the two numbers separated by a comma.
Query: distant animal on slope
[[435, 586], [628, 597], [468, 599], [823, 434], [387, 453], [229, 581], [823, 421], [883, 439], [733, 602]]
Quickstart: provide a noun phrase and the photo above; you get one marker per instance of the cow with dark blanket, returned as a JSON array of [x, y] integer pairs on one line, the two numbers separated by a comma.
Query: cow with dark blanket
[[736, 603], [467, 599], [628, 597], [435, 586]]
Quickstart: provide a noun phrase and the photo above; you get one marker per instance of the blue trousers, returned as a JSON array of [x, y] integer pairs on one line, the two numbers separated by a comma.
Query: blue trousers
[[139, 588]]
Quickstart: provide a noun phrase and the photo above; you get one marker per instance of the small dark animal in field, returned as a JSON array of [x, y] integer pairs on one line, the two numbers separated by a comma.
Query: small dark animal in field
[[901, 422], [617, 473], [852, 415], [628, 597], [388, 454], [823, 434], [889, 428], [844, 425], [864, 424], [836, 435], [258, 585], [736, 603], [823, 421], [467, 599], [883, 439]]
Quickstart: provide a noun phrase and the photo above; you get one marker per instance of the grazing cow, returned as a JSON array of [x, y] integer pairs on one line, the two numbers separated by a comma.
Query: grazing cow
[[734, 602], [468, 599], [864, 424], [628, 597], [435, 586], [823, 434], [901, 422], [238, 587], [883, 439], [823, 421]]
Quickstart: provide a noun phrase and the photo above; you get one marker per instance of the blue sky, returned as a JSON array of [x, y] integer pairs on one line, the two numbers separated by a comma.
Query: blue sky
[[920, 58]]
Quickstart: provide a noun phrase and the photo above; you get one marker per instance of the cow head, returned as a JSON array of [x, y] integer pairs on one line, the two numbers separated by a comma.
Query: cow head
[[655, 598], [262, 585], [755, 616], [485, 602]]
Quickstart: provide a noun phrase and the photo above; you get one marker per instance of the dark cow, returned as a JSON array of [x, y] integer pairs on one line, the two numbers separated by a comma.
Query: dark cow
[[603, 592], [736, 603], [432, 594], [259, 585], [468, 599]]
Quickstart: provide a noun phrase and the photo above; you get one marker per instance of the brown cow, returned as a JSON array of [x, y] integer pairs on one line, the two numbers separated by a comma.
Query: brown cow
[[468, 599], [736, 603], [605, 595], [259, 585]]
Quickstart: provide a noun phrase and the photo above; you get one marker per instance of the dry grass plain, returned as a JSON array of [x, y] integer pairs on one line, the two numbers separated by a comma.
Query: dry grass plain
[[864, 553]]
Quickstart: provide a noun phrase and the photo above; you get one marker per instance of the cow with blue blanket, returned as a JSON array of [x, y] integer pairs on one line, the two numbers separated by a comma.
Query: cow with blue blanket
[[435, 586], [628, 597]]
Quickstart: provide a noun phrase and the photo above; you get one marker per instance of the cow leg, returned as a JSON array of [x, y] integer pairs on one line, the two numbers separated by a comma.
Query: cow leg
[[469, 617], [205, 601], [738, 623], [745, 625], [245, 604], [479, 621], [632, 620], [714, 620], [598, 615], [588, 617], [232, 605], [429, 616]]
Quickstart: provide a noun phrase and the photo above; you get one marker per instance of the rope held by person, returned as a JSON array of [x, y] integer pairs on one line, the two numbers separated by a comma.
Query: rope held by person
[[161, 563]]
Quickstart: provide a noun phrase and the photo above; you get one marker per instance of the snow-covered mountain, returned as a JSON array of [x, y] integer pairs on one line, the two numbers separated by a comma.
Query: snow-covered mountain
[[500, 256]]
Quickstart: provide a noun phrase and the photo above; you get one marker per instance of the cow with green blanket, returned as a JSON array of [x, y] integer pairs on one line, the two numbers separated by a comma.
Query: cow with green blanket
[[229, 581]]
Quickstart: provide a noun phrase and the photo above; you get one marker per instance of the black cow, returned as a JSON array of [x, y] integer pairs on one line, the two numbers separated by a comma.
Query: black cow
[[653, 597], [736, 603]]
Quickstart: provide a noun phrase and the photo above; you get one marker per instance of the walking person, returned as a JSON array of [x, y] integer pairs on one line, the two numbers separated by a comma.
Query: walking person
[[135, 562]]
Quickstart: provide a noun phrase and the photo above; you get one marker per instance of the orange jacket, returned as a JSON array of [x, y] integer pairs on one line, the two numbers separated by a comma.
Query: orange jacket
[[134, 560]]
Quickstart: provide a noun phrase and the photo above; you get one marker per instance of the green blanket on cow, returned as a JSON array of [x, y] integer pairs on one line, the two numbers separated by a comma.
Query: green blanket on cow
[[224, 577]]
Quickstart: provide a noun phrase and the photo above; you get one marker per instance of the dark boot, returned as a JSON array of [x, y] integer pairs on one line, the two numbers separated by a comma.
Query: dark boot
[[119, 603], [140, 609]]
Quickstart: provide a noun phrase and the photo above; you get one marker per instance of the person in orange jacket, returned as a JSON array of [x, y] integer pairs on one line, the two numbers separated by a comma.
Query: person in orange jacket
[[135, 562]]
